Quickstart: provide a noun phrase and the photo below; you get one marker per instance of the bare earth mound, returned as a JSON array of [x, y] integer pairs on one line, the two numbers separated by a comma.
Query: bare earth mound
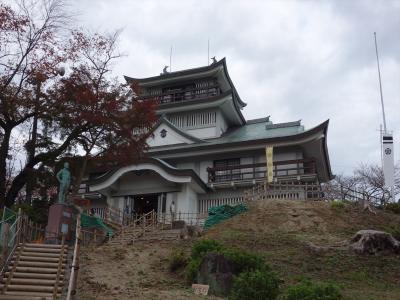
[[311, 240], [298, 239]]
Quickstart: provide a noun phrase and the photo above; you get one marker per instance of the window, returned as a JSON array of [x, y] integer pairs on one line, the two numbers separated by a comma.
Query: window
[[228, 173], [198, 119]]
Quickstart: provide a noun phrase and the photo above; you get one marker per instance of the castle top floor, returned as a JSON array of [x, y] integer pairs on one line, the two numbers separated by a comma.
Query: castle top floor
[[191, 89]]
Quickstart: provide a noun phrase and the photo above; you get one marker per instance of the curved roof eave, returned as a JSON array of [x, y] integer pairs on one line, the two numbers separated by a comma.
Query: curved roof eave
[[326, 154], [221, 62], [158, 162], [288, 140]]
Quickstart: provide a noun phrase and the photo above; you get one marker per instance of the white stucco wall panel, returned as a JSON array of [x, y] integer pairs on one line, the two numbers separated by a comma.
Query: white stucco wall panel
[[171, 138]]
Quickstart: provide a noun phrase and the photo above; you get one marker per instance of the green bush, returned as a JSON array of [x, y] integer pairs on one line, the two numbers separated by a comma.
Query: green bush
[[255, 285], [243, 261], [337, 205], [202, 247], [307, 290], [177, 260], [393, 207], [191, 270]]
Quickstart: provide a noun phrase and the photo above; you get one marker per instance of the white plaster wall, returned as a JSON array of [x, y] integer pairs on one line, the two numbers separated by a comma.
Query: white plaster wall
[[186, 165], [116, 202], [131, 184], [222, 125], [186, 200], [171, 138], [203, 169]]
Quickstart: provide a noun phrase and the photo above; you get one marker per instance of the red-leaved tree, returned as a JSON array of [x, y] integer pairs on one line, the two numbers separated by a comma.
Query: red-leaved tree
[[86, 111]]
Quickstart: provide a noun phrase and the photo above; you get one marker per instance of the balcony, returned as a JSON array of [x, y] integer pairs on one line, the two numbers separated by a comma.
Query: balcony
[[299, 169], [187, 94]]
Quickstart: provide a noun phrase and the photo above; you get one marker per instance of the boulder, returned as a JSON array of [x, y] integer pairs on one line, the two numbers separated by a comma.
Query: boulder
[[373, 241], [216, 271]]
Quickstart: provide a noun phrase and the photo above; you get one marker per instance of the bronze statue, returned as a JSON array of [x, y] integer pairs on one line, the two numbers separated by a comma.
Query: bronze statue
[[64, 178]]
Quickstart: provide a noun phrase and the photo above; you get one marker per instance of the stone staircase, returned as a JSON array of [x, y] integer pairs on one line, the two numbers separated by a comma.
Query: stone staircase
[[130, 235], [35, 272]]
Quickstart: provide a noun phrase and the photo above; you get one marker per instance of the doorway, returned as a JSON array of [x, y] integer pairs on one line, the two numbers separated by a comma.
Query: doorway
[[146, 203]]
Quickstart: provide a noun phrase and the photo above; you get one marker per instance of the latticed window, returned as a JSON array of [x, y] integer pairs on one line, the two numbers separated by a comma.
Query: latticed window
[[229, 172], [199, 119]]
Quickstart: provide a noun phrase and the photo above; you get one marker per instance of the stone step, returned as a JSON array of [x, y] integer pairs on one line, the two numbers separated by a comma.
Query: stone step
[[33, 281], [44, 250], [42, 259], [34, 275], [36, 270], [47, 246], [40, 254], [38, 264], [20, 297], [30, 288], [30, 294]]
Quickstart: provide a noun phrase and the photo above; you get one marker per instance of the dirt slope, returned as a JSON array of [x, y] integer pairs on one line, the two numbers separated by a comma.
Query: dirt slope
[[281, 231]]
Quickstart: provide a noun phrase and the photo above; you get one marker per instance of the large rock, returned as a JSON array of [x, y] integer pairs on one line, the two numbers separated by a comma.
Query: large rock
[[373, 241], [217, 272]]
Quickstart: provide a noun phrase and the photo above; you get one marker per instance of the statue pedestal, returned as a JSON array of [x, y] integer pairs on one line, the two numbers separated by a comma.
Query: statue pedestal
[[59, 222]]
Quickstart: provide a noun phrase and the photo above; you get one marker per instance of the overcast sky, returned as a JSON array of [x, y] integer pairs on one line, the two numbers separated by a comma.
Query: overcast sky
[[308, 60]]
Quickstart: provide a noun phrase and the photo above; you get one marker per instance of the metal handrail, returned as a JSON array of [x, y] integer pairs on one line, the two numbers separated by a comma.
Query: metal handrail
[[11, 253], [75, 261]]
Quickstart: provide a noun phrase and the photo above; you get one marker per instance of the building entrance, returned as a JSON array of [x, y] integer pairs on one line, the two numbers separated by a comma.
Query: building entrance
[[146, 203]]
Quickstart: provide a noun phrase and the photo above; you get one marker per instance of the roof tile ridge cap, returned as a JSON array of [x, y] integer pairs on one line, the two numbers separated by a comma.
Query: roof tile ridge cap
[[171, 74]]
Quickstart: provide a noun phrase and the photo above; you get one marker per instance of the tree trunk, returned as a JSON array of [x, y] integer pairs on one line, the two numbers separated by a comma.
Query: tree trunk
[[17, 184], [30, 185], [21, 179], [4, 148], [81, 174]]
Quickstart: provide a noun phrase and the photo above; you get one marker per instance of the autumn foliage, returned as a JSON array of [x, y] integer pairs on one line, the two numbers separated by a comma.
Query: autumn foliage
[[86, 112]]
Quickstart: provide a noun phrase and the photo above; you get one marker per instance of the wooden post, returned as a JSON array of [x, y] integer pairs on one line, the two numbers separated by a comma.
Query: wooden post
[[6, 231], [18, 227], [94, 236]]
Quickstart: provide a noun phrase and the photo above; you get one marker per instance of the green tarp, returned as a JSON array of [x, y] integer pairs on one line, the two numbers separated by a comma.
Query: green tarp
[[93, 222], [218, 214]]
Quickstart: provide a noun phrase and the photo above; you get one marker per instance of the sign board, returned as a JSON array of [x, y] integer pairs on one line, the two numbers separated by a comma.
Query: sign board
[[270, 167], [200, 289], [388, 159]]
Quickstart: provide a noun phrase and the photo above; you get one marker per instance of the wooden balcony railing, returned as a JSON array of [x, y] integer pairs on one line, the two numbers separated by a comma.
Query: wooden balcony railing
[[180, 95], [283, 168]]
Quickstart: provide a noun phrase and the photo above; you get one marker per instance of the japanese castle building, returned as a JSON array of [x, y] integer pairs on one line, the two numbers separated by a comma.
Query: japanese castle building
[[204, 152]]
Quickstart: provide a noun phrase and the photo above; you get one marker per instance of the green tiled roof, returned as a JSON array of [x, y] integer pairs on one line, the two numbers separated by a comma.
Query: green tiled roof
[[259, 130]]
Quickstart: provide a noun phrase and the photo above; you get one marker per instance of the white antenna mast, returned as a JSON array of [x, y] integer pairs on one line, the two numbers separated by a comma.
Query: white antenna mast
[[170, 60], [380, 85], [387, 155], [208, 52]]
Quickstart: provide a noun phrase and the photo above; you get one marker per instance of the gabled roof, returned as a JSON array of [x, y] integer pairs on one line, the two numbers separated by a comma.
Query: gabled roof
[[164, 120], [194, 72], [146, 164]]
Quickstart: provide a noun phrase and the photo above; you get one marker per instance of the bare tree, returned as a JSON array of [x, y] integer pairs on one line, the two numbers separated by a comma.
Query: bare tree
[[366, 184]]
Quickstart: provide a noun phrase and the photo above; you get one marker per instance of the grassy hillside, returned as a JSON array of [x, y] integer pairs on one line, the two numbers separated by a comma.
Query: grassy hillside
[[280, 231]]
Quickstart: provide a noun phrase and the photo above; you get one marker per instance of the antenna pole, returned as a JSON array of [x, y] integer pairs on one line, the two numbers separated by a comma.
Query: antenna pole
[[208, 52], [170, 60], [380, 85]]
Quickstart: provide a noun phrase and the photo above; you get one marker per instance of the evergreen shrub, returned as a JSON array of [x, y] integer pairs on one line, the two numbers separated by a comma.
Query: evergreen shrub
[[177, 261], [255, 285], [307, 290]]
